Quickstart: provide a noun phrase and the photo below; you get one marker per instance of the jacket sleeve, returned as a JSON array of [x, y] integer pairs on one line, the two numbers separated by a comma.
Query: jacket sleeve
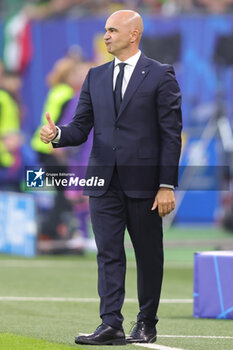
[[76, 132], [170, 126]]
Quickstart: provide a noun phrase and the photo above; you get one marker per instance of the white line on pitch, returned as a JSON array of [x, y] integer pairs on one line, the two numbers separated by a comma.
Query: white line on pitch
[[30, 263], [176, 301], [196, 336], [56, 299], [156, 346], [86, 300], [46, 263]]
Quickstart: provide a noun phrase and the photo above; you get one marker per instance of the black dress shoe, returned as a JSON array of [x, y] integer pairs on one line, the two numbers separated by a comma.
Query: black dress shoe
[[142, 333], [104, 335]]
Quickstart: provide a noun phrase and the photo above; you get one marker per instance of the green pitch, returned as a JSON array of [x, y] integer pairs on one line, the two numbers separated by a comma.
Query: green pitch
[[52, 322]]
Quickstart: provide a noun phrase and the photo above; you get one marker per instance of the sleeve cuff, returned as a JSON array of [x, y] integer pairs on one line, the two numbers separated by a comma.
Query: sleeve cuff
[[57, 138], [167, 186]]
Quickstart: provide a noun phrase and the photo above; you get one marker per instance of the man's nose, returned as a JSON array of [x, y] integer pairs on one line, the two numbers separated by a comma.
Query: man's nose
[[106, 36]]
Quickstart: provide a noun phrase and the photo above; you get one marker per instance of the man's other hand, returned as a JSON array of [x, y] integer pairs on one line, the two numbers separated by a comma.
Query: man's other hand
[[48, 131], [164, 200]]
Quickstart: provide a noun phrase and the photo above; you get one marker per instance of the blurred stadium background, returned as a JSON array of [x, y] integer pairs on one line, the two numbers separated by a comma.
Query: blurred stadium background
[[47, 48]]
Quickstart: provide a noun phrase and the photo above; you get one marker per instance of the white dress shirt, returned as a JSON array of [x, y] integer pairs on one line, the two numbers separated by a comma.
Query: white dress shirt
[[128, 70]]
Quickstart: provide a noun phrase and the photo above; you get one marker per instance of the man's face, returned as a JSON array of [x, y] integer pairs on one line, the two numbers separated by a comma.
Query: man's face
[[117, 36]]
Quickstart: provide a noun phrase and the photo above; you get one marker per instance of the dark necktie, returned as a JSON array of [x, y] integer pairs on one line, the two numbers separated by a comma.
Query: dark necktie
[[118, 87]]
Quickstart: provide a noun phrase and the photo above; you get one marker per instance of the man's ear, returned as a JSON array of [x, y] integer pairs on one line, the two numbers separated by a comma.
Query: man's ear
[[134, 35]]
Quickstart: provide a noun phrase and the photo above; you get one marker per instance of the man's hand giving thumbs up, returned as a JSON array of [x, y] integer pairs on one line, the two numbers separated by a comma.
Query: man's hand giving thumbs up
[[48, 131]]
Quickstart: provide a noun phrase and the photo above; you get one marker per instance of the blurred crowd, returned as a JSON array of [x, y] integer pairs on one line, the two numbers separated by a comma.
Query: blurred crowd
[[41, 9], [67, 210], [11, 139]]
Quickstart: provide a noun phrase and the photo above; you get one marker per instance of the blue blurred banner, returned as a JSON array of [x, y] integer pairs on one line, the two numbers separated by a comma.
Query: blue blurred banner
[[17, 224]]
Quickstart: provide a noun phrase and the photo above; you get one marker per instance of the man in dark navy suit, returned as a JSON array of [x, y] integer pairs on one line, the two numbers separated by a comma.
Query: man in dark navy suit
[[134, 105]]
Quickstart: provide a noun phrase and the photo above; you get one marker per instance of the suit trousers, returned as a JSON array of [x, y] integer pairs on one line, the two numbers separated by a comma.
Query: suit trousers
[[111, 214]]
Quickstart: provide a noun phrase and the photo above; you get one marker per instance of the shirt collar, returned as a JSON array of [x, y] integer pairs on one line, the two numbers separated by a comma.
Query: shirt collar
[[132, 61]]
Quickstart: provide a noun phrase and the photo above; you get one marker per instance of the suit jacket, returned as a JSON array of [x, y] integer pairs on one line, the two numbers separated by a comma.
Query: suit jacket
[[143, 140]]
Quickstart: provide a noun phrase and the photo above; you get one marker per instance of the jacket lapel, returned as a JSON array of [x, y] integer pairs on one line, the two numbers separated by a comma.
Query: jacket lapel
[[107, 82], [140, 72]]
